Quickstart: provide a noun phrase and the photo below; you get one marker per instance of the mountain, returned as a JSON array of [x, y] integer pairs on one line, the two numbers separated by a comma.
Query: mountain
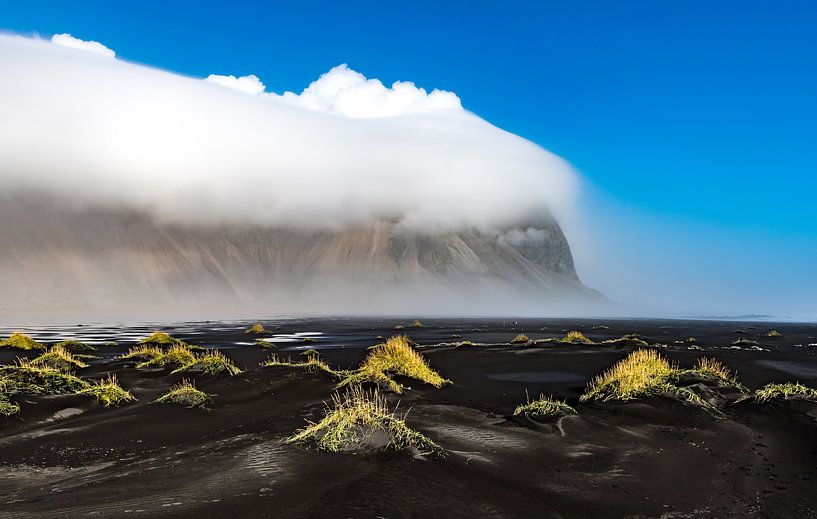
[[60, 259]]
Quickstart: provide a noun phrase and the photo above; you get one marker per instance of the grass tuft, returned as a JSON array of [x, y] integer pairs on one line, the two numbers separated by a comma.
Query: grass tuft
[[178, 355], [7, 407], [416, 324], [160, 339], [75, 346], [357, 417], [543, 407], [186, 394], [25, 376], [395, 357], [257, 329], [108, 392], [576, 337], [143, 353], [58, 357], [785, 391], [715, 370], [642, 373], [211, 362], [312, 363], [773, 333], [521, 339], [21, 341]]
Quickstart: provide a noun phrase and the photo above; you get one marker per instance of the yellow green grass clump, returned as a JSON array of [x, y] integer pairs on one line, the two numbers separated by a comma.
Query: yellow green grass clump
[[75, 346], [543, 407], [21, 341], [177, 355], [160, 339], [773, 333], [7, 407], [715, 370], [143, 353], [645, 373], [785, 391], [24, 376], [395, 357], [520, 339], [211, 362], [186, 394], [257, 329], [416, 324], [58, 357], [576, 337], [359, 418], [642, 373], [108, 392], [312, 363]]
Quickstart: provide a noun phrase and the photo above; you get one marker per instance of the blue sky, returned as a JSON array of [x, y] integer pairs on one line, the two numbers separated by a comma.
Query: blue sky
[[693, 124]]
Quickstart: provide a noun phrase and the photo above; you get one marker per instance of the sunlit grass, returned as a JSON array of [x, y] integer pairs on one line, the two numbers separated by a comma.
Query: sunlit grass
[[21, 341], [58, 357], [178, 355], [520, 339], [785, 391], [186, 394], [715, 370], [257, 329], [160, 339], [142, 353], [7, 407], [543, 407], [773, 333], [395, 357], [211, 362], [108, 392], [356, 416], [75, 346], [416, 324], [576, 337], [30, 378], [312, 363], [642, 373]]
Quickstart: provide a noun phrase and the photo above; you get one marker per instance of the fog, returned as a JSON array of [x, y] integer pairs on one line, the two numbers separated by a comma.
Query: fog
[[82, 125]]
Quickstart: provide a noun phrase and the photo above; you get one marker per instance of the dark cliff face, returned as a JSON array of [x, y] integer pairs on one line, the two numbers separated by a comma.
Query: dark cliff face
[[61, 260]]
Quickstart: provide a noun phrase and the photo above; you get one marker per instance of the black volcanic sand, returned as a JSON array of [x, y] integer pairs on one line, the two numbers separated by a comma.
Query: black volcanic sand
[[66, 456]]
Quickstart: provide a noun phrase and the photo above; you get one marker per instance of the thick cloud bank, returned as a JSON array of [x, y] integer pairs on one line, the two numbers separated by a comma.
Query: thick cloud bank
[[78, 124]]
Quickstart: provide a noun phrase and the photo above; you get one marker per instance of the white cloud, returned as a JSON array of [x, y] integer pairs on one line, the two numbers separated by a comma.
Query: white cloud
[[347, 92], [110, 133], [66, 40], [247, 84]]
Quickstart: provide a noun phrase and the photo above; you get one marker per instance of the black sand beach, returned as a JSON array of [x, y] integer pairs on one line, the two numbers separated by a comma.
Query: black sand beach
[[68, 456]]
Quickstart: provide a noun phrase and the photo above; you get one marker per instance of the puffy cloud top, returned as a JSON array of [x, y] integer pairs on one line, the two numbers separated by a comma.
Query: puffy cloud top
[[66, 40], [247, 84], [346, 92]]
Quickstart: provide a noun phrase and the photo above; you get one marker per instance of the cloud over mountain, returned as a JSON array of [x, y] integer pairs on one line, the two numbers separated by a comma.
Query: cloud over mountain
[[108, 133]]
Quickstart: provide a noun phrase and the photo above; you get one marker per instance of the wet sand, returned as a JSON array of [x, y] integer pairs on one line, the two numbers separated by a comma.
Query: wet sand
[[67, 456]]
